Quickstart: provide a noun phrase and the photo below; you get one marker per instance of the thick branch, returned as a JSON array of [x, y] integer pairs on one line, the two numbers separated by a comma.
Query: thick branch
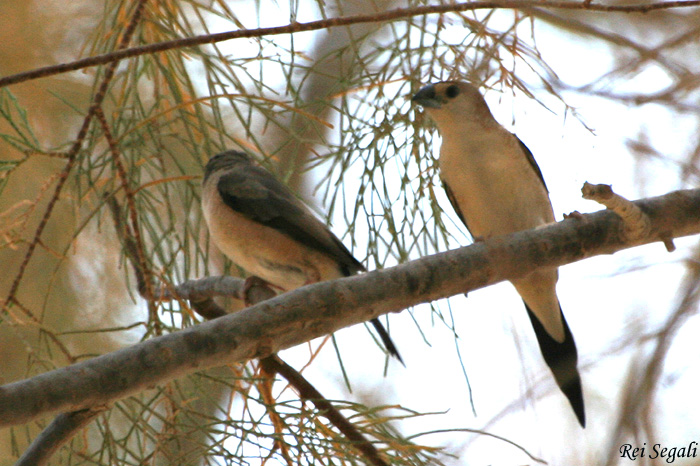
[[316, 310], [391, 15]]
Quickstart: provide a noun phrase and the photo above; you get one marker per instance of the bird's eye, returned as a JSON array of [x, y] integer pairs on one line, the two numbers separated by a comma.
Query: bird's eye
[[452, 91]]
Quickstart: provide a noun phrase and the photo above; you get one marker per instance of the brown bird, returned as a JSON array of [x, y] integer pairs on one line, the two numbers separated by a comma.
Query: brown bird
[[261, 226]]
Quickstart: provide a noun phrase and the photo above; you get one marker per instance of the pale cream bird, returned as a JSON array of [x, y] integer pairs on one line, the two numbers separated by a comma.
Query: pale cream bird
[[496, 188]]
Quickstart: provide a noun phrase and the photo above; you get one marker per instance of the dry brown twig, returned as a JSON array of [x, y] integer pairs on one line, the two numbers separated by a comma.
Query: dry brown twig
[[145, 282]]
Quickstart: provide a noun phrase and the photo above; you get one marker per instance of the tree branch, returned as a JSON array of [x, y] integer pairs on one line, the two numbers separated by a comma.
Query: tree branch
[[316, 310], [391, 15], [308, 392], [61, 429]]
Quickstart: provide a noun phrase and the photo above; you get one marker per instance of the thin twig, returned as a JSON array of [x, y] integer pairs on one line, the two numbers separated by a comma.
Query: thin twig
[[392, 15], [264, 386], [50, 335], [145, 282], [481, 432], [135, 232]]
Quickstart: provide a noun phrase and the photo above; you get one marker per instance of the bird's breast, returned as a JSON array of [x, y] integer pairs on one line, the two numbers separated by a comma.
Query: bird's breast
[[494, 186], [264, 251]]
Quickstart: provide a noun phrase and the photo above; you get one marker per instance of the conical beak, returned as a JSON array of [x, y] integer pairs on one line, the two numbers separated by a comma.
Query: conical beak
[[427, 97]]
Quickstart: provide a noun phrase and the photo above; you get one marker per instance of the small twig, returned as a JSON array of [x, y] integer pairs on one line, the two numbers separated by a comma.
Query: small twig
[[144, 275], [50, 335], [391, 15], [144, 283], [480, 433], [201, 289], [636, 224], [265, 388], [127, 239]]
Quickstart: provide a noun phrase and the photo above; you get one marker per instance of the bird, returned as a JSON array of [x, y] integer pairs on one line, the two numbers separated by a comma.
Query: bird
[[258, 223], [496, 187]]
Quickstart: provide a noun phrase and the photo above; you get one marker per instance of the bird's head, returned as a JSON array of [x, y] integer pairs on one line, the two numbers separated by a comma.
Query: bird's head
[[452, 102], [225, 160]]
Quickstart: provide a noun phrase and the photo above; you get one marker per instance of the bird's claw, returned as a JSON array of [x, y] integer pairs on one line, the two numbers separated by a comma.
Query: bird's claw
[[576, 215], [255, 290]]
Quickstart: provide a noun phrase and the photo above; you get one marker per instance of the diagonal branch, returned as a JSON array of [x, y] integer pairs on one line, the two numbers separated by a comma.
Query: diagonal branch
[[391, 15], [316, 310], [308, 392], [62, 428]]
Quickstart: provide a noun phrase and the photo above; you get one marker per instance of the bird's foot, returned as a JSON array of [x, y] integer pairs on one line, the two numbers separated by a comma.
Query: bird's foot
[[575, 215], [256, 290]]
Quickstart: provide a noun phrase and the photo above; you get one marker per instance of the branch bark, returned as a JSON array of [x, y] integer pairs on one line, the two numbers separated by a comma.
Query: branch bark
[[316, 310], [63, 428]]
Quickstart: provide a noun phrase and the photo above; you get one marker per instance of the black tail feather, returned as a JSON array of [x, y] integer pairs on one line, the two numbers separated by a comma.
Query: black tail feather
[[562, 359], [386, 339]]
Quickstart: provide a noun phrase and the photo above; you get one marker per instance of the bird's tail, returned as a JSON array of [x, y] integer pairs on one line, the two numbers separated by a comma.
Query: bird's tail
[[386, 340], [562, 359]]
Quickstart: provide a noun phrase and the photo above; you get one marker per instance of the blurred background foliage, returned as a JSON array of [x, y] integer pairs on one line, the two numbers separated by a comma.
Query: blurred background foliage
[[330, 113]]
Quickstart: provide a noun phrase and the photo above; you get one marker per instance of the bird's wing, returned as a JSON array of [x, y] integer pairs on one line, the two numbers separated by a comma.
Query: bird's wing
[[531, 159], [453, 201], [259, 196]]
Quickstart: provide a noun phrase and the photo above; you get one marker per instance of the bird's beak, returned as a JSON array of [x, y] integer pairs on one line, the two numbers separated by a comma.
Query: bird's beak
[[427, 98]]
